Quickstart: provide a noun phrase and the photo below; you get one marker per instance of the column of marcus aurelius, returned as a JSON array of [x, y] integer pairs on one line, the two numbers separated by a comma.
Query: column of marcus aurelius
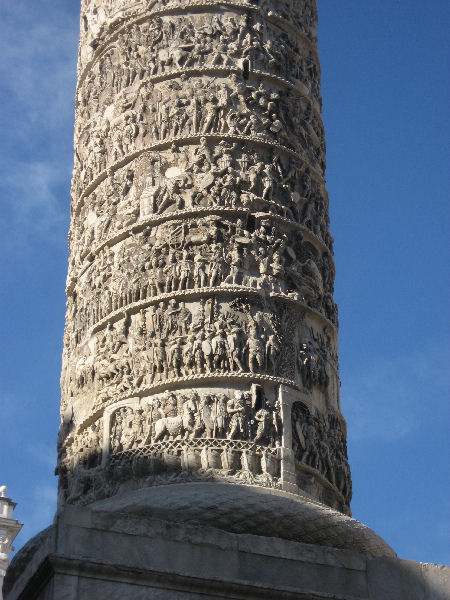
[[200, 349], [202, 451]]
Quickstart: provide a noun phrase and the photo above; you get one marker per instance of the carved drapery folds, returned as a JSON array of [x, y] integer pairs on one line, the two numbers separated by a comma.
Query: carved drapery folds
[[319, 445], [201, 269]]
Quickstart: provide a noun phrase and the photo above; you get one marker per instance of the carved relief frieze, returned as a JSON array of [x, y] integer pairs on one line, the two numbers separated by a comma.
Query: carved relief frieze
[[191, 178], [247, 416], [319, 443], [174, 339], [190, 107], [183, 255], [229, 433], [227, 21], [209, 337], [201, 271]]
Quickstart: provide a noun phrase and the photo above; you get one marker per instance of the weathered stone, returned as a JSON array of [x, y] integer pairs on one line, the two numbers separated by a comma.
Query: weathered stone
[[107, 554], [202, 451], [201, 331]]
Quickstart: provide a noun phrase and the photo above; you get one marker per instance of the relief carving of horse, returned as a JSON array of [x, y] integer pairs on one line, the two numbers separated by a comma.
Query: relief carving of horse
[[174, 426]]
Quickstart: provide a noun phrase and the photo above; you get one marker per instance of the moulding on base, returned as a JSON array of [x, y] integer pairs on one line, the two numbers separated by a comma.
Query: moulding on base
[[93, 554]]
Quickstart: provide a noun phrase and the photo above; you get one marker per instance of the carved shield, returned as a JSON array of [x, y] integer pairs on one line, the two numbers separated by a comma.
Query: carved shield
[[206, 347], [204, 181]]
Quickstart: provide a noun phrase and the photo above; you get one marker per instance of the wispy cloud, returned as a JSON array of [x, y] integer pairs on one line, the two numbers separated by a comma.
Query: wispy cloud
[[32, 202], [37, 63], [37, 74], [37, 512], [28, 466], [43, 454], [386, 399]]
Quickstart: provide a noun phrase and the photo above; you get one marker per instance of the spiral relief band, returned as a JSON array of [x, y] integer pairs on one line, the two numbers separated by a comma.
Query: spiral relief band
[[201, 331]]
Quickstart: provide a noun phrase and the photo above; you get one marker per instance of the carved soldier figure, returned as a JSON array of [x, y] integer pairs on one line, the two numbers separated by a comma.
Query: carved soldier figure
[[171, 272], [200, 275], [256, 351], [208, 352], [202, 154], [216, 265], [184, 319], [160, 358], [187, 355], [220, 416], [235, 346], [220, 351], [310, 454], [235, 262], [264, 419], [204, 422], [306, 364], [198, 354], [116, 432], [273, 351], [172, 315], [237, 411], [185, 270], [159, 274], [175, 357], [197, 252]]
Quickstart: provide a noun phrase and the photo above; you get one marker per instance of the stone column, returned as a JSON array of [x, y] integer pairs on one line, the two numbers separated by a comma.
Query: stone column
[[200, 375], [201, 262]]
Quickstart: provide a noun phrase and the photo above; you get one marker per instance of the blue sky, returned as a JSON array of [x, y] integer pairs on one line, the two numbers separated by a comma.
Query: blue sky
[[385, 92]]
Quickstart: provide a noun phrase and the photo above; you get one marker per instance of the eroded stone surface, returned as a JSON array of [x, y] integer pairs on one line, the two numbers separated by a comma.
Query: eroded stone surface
[[201, 331], [100, 551]]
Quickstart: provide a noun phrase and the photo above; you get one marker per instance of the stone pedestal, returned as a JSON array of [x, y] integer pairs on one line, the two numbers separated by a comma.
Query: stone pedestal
[[200, 411], [116, 555]]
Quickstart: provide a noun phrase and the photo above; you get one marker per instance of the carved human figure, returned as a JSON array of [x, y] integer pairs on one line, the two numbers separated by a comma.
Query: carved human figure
[[220, 350], [264, 419], [198, 353], [310, 454], [220, 416], [237, 411], [205, 418], [256, 351], [236, 344], [306, 364], [200, 252]]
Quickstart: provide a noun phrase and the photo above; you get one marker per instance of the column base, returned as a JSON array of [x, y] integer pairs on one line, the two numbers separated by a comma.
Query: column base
[[96, 554]]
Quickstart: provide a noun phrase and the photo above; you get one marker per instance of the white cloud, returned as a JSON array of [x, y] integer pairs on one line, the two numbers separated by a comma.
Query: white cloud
[[37, 512], [9, 409], [30, 201], [37, 65], [43, 454], [386, 399], [38, 45]]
